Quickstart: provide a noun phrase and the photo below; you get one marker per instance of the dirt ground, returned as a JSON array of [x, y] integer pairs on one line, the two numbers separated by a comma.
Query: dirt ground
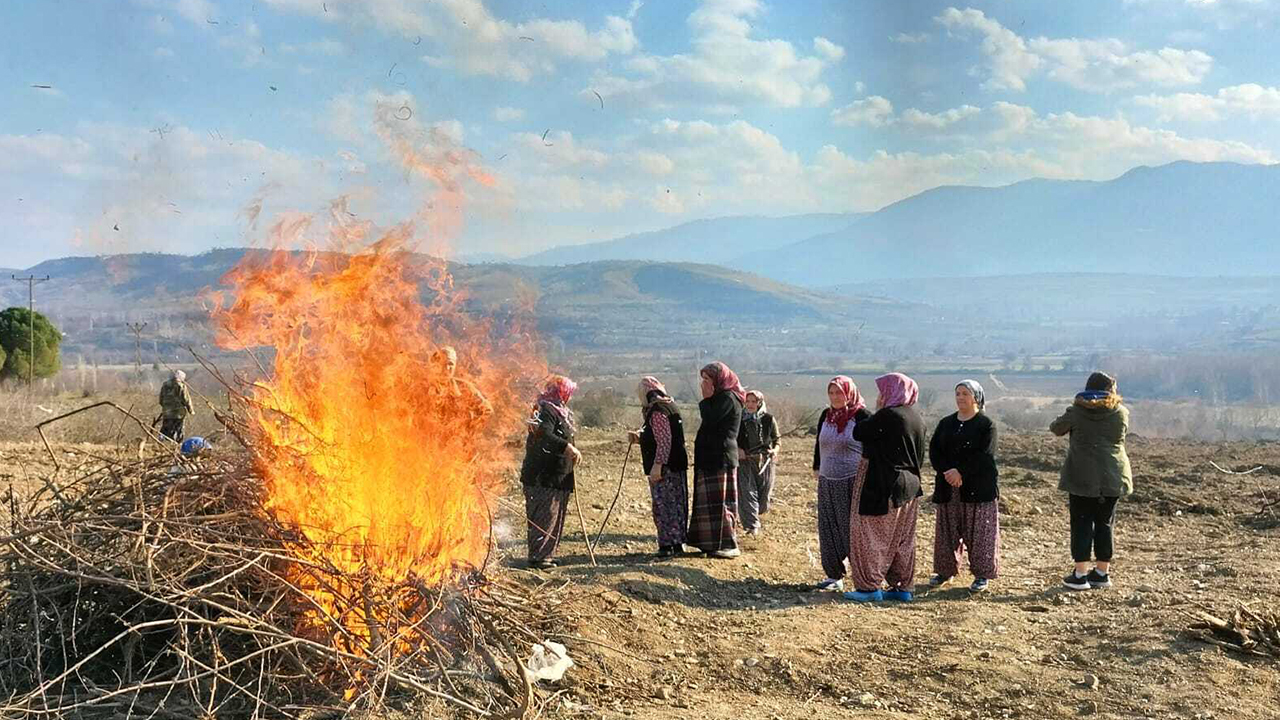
[[745, 638]]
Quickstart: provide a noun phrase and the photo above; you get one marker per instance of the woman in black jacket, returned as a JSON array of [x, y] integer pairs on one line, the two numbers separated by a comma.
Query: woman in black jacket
[[963, 454], [715, 463], [547, 472], [757, 447], [882, 543]]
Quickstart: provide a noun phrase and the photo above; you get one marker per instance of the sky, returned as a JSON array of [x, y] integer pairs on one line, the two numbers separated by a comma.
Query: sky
[[184, 125]]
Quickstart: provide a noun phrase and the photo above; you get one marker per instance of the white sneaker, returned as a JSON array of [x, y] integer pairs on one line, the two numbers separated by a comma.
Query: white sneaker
[[830, 585]]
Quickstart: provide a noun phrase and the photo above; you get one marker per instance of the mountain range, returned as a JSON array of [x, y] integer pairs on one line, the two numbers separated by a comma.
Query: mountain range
[[1181, 219]]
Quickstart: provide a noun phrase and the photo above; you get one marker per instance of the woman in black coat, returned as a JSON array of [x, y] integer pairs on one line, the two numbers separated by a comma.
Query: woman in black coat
[[882, 543], [715, 463], [547, 471], [965, 490]]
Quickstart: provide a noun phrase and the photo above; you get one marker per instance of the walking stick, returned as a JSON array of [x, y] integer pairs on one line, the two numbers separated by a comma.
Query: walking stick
[[615, 495], [586, 537]]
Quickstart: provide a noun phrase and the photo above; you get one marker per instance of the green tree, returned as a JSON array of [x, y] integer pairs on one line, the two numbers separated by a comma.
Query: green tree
[[15, 345]]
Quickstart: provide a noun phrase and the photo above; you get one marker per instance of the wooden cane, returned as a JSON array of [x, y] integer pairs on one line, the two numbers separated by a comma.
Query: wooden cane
[[586, 537], [616, 495]]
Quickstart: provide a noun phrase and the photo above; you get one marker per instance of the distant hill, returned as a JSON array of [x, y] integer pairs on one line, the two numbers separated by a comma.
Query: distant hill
[[620, 304], [1185, 219], [714, 240]]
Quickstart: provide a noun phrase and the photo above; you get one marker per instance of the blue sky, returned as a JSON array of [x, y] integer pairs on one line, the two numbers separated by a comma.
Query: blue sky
[[164, 120]]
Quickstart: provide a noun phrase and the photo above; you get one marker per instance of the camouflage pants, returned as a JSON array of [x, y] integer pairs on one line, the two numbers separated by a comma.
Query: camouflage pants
[[172, 428]]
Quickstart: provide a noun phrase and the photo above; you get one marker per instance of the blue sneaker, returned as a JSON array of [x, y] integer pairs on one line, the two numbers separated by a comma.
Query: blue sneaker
[[979, 585], [864, 597], [899, 595]]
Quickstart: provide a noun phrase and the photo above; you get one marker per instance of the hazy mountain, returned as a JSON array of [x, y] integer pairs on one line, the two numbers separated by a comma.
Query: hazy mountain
[[704, 241], [1193, 219]]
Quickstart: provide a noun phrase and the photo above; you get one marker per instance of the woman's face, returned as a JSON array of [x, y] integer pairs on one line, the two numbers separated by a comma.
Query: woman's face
[[752, 404], [708, 387], [965, 401], [836, 397]]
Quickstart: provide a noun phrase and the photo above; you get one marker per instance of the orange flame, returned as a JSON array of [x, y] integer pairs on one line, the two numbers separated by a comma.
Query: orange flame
[[375, 450]]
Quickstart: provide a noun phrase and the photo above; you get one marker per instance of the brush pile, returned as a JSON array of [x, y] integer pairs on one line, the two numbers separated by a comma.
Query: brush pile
[[158, 587], [1251, 632]]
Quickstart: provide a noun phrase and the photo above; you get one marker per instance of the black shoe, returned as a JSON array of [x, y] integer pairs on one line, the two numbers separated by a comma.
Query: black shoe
[[1076, 582], [666, 551], [1097, 580], [542, 564]]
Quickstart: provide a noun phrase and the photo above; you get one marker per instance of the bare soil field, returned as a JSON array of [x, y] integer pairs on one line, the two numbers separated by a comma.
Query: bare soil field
[[698, 638]]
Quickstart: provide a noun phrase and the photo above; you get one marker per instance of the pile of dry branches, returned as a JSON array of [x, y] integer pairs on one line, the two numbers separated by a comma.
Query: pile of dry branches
[[159, 587], [1246, 631]]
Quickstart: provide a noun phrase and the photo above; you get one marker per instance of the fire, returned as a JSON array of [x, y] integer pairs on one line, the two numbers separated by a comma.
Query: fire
[[386, 462]]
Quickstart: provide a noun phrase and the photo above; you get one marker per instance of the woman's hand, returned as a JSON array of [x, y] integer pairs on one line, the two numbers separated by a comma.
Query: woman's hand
[[633, 436], [742, 455], [655, 475], [953, 477], [572, 452]]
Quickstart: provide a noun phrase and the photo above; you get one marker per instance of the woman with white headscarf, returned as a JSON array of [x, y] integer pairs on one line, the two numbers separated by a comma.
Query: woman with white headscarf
[[757, 446], [966, 491], [666, 463]]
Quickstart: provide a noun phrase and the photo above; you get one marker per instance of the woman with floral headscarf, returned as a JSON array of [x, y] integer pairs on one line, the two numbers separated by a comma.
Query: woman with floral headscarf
[[882, 543], [837, 465], [547, 472], [757, 447], [962, 452], [666, 462], [715, 463]]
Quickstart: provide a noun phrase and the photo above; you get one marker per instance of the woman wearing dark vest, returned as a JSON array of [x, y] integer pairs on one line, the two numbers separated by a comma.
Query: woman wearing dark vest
[[547, 472], [1095, 475], [882, 546], [715, 463], [965, 491], [837, 465], [666, 462], [757, 447]]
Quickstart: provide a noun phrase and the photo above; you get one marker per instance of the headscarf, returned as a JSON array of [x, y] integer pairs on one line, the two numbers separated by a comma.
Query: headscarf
[[759, 396], [979, 396], [556, 393], [840, 417], [897, 389], [178, 375], [1099, 389], [722, 378], [649, 385]]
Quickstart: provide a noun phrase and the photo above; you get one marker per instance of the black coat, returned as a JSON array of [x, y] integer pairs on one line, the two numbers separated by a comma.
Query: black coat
[[757, 435], [894, 444], [715, 448], [969, 447], [545, 464]]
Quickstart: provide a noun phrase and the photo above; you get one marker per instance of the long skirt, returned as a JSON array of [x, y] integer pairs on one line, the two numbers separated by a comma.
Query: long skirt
[[972, 527], [671, 507], [715, 500], [882, 548], [835, 497], [545, 510], [754, 489]]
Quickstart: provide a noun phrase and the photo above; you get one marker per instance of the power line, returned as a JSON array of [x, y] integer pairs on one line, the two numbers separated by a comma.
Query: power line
[[136, 329], [31, 281]]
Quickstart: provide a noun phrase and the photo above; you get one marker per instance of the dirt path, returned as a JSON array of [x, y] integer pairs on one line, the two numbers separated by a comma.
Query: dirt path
[[746, 639]]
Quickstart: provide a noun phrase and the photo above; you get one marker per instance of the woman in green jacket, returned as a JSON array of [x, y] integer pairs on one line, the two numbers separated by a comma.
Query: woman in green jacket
[[1095, 475]]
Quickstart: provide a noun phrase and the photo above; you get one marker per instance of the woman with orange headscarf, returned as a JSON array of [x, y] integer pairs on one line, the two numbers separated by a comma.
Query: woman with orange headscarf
[[547, 472], [715, 468]]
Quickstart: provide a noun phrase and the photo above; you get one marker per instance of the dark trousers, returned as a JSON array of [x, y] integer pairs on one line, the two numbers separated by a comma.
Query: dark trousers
[[1091, 521], [172, 428]]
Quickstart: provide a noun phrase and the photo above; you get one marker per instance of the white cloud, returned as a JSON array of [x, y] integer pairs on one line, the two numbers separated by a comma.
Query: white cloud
[[326, 46], [465, 35], [1248, 100], [909, 38], [725, 65], [938, 121], [859, 87], [1101, 65], [874, 111], [508, 114], [162, 53]]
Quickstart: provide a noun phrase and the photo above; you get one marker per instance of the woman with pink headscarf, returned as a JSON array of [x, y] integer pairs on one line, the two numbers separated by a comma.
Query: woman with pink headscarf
[[666, 462], [547, 472], [882, 543], [715, 467], [837, 464]]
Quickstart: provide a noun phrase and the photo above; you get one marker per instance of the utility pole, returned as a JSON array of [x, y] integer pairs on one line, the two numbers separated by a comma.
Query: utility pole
[[136, 329], [31, 281]]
